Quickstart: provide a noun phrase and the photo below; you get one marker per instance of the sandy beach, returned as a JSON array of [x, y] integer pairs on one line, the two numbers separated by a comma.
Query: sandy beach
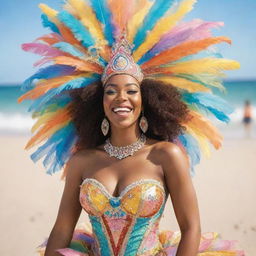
[[225, 186]]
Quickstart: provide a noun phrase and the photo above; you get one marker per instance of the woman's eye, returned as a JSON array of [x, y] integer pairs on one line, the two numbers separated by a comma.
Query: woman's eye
[[109, 92], [132, 91]]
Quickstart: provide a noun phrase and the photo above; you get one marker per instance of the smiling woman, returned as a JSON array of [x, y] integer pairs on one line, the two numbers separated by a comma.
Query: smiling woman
[[126, 137], [161, 105]]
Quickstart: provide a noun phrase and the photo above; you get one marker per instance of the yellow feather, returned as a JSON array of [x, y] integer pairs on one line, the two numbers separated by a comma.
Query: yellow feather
[[41, 120], [204, 65], [201, 139], [203, 126], [137, 19], [165, 24], [37, 139], [184, 84], [51, 13], [88, 18], [51, 124]]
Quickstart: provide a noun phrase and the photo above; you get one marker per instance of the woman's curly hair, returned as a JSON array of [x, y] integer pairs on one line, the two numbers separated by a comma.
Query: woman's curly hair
[[162, 107]]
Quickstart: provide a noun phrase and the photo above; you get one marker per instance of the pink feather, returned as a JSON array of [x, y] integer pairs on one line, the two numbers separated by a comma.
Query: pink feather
[[42, 49], [50, 39], [187, 31]]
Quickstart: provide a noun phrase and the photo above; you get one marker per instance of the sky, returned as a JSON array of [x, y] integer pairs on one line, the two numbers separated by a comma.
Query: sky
[[20, 22]]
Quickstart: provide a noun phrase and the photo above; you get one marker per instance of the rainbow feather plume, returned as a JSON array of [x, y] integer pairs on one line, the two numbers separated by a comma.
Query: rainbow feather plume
[[168, 49]]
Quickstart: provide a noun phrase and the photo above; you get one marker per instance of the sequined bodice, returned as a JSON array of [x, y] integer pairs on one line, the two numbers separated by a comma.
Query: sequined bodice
[[127, 224]]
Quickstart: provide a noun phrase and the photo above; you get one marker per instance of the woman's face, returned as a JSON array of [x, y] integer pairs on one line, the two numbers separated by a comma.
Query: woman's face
[[122, 100]]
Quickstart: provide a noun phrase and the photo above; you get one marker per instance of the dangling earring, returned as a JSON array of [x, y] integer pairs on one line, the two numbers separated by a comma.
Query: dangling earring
[[105, 126], [143, 123]]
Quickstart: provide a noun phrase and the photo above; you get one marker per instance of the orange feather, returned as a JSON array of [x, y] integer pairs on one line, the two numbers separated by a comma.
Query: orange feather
[[49, 39], [182, 50], [43, 86], [203, 126], [58, 120], [122, 11], [81, 65]]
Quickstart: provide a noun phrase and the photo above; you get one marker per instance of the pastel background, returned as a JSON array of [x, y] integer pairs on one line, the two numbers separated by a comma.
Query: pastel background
[[225, 183]]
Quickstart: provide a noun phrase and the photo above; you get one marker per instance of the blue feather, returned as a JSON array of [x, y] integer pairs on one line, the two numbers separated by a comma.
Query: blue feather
[[73, 84], [210, 78], [192, 148], [48, 24], [158, 9], [207, 101], [80, 32], [65, 140], [47, 73], [53, 105], [68, 48], [57, 149], [103, 14]]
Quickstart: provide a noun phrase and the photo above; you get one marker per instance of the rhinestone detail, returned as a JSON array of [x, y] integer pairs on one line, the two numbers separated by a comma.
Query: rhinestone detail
[[124, 151]]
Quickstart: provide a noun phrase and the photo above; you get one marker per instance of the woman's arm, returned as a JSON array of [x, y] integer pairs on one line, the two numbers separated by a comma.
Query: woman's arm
[[69, 210], [183, 196]]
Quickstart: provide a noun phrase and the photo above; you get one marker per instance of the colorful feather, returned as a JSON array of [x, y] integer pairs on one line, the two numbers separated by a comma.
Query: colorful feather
[[48, 24], [182, 50], [88, 18], [43, 86], [135, 21], [188, 31], [192, 148], [158, 9], [207, 101], [184, 84], [58, 120], [69, 48], [50, 39], [52, 105], [161, 27], [72, 84], [206, 65], [46, 73], [122, 11], [81, 65], [204, 79], [202, 126], [104, 15], [79, 31], [201, 139], [52, 16], [42, 49]]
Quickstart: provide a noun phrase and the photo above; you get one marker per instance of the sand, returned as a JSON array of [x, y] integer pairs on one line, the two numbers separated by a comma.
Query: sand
[[225, 185]]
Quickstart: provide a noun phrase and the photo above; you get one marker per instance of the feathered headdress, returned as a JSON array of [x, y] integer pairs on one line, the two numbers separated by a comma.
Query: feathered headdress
[[79, 48]]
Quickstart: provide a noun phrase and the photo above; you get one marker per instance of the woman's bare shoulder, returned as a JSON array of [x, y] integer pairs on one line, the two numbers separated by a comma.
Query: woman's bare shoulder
[[165, 147], [169, 153]]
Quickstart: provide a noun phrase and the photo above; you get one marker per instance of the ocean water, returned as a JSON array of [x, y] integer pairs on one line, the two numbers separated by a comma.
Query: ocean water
[[14, 118]]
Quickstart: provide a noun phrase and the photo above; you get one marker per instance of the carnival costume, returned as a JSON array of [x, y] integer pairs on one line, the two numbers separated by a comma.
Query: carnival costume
[[92, 40]]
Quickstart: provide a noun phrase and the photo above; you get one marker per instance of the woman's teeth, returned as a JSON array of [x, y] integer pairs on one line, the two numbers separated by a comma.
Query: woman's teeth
[[120, 110]]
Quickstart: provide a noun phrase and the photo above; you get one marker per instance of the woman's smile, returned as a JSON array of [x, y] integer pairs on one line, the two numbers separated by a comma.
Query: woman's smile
[[122, 100]]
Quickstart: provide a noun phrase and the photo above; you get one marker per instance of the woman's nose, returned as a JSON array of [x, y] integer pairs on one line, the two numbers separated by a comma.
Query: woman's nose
[[121, 96]]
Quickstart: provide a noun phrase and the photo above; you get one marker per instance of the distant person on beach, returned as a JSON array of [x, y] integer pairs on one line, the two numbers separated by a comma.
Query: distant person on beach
[[247, 119]]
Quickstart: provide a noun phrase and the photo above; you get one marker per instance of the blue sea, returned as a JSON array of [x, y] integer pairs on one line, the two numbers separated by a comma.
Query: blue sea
[[14, 118]]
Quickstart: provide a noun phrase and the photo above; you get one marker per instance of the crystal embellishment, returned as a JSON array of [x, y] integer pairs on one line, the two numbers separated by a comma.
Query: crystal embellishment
[[124, 151]]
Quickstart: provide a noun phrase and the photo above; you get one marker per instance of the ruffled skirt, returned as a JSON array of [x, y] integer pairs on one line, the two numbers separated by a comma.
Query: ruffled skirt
[[211, 244]]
